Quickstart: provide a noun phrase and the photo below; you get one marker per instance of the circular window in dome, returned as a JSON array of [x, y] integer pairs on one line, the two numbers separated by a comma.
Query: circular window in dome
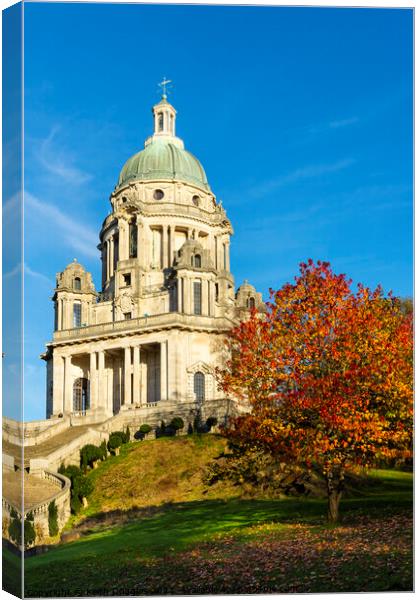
[[196, 200], [158, 194]]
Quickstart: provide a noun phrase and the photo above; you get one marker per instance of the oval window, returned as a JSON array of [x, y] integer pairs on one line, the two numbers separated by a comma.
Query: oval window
[[158, 194], [196, 200]]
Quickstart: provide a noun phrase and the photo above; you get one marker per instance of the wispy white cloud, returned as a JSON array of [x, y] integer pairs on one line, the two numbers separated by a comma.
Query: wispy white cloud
[[38, 275], [56, 161], [343, 122], [15, 271], [74, 233], [28, 271], [297, 175]]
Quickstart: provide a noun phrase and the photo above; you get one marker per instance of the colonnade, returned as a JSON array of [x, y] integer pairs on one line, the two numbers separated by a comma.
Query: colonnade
[[116, 247], [144, 378]]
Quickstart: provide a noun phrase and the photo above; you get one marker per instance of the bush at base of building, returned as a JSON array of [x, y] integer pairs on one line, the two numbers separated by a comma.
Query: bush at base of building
[[15, 529], [143, 431], [90, 453], [81, 486], [52, 519], [117, 439]]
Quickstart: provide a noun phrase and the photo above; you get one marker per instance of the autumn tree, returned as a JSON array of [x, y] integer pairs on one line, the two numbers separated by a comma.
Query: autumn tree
[[327, 375]]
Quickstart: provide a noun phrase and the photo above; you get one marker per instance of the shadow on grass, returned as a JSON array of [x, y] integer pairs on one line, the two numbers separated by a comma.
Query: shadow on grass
[[153, 531]]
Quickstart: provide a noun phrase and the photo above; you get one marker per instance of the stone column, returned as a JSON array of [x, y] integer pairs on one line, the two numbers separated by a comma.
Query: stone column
[[58, 384], [216, 252], [68, 404], [164, 247], [204, 297], [211, 298], [102, 388], [164, 370], [171, 245], [104, 263], [111, 258], [187, 295], [143, 377], [123, 243], [59, 314], [127, 375], [136, 375], [93, 381], [179, 291], [140, 248]]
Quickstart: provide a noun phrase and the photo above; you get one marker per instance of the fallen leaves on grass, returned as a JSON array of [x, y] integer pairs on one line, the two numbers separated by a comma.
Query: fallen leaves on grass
[[366, 555]]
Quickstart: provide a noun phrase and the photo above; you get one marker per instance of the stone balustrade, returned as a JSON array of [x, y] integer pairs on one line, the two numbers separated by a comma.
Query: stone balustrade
[[39, 509], [145, 323]]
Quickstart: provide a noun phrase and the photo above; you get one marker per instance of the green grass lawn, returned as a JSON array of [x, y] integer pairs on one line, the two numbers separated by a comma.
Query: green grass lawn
[[229, 544], [11, 572]]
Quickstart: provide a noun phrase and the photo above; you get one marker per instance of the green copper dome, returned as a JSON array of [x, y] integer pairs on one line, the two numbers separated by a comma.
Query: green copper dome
[[164, 159]]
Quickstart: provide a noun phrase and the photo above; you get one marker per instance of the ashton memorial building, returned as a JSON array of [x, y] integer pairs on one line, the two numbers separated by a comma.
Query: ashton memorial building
[[150, 340]]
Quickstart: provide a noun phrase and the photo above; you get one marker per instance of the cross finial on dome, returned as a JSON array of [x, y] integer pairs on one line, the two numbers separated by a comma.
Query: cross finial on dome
[[163, 85]]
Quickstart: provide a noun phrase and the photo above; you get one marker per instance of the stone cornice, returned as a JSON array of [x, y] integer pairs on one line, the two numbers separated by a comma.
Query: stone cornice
[[141, 325]]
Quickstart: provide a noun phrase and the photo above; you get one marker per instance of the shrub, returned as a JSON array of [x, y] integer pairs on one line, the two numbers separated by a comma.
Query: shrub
[[115, 440], [176, 423], [29, 533], [127, 435], [15, 530], [75, 505], [81, 486], [145, 429], [89, 454], [52, 519], [104, 452]]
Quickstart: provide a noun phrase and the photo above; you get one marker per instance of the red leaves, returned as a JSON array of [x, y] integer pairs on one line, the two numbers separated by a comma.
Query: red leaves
[[328, 372]]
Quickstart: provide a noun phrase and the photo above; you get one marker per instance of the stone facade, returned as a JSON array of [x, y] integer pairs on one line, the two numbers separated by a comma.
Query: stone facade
[[153, 335]]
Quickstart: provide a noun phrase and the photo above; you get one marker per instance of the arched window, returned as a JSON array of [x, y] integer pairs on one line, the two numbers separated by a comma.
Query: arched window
[[77, 284], [251, 302], [197, 261], [81, 395], [199, 387], [160, 122]]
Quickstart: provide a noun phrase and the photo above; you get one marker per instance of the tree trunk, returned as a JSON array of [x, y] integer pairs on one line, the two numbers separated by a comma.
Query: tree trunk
[[335, 484]]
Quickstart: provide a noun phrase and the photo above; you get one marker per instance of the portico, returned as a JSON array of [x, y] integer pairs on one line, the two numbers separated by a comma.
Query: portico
[[105, 381]]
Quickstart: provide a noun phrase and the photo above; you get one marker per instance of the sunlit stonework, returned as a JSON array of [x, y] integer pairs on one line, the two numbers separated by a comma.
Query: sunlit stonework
[[150, 340]]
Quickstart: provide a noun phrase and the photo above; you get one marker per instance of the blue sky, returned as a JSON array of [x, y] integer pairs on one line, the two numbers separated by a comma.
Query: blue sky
[[301, 117]]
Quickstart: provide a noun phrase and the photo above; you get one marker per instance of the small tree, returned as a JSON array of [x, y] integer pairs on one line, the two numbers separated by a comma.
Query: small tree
[[127, 435], [328, 375], [115, 440], [176, 424], [15, 529], [52, 519], [81, 486], [89, 454]]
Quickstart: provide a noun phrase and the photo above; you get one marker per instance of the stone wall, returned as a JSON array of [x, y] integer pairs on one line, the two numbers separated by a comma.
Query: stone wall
[[32, 432], [40, 510]]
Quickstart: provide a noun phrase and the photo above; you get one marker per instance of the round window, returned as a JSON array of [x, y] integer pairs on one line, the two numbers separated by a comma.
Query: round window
[[196, 200], [158, 194]]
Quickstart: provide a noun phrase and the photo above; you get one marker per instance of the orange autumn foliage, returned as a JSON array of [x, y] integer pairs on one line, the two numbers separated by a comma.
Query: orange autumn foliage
[[327, 372]]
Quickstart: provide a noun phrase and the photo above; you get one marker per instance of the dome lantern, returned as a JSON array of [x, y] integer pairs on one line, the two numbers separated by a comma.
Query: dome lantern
[[164, 155], [164, 114]]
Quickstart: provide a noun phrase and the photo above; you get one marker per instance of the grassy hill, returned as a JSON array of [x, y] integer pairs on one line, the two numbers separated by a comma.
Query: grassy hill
[[152, 527], [154, 472]]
